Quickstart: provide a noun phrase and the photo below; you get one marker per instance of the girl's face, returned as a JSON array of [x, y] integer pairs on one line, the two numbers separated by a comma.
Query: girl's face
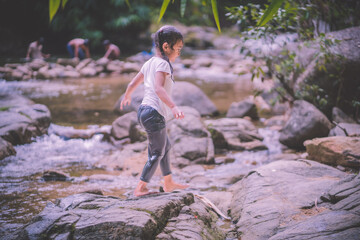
[[172, 54]]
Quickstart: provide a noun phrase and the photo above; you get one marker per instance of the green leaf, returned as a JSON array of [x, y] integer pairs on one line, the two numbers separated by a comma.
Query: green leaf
[[128, 3], [182, 7], [63, 3], [216, 14], [53, 7], [163, 9], [269, 13]]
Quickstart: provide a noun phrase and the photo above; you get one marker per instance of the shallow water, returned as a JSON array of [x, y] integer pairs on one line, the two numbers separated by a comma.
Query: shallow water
[[82, 103]]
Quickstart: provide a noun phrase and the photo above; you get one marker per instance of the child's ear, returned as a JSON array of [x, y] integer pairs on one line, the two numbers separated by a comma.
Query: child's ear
[[165, 46]]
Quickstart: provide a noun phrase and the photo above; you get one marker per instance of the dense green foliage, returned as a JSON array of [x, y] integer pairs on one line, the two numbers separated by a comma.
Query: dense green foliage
[[24, 21], [309, 19]]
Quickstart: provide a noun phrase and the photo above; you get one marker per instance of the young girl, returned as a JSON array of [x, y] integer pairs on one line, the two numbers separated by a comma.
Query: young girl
[[157, 106]]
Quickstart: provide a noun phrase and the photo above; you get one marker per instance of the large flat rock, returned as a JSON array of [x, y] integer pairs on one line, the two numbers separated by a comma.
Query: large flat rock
[[90, 216], [284, 200]]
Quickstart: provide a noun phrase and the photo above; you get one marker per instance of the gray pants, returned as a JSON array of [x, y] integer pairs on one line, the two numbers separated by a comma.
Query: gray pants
[[159, 144]]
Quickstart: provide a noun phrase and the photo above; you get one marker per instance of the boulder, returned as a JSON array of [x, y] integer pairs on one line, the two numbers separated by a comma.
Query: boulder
[[342, 222], [234, 134], [184, 94], [83, 63], [55, 176], [339, 116], [242, 109], [20, 122], [305, 122], [136, 99], [67, 61], [114, 66], [190, 139], [352, 129], [6, 149], [283, 200], [90, 216], [334, 151], [71, 74], [344, 67], [36, 64], [194, 222], [126, 126], [88, 72]]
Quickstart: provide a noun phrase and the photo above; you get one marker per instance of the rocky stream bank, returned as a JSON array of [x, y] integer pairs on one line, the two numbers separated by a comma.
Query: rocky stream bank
[[293, 175]]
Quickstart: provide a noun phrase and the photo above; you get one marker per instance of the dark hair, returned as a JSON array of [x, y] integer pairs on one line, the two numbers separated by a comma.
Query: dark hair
[[41, 40], [106, 42], [170, 35], [86, 42]]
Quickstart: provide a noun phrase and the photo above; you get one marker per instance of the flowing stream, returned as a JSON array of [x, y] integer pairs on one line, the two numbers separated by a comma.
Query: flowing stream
[[86, 103]]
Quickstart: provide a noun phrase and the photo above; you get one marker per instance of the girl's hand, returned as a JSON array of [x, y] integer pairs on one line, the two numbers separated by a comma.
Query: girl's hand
[[125, 101], [178, 114]]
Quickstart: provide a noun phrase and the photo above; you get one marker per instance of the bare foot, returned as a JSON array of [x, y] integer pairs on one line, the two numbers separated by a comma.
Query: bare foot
[[141, 192], [169, 187], [141, 189]]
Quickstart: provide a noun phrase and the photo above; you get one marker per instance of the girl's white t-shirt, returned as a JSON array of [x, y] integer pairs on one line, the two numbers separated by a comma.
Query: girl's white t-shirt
[[153, 65]]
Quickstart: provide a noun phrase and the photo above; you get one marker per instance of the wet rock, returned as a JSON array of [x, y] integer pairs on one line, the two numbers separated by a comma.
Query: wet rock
[[305, 122], [276, 122], [339, 116], [194, 222], [8, 101], [19, 123], [17, 128], [36, 64], [71, 74], [67, 61], [131, 156], [102, 61], [6, 149], [329, 225], [71, 133], [334, 151], [136, 218], [242, 109], [95, 191], [276, 198], [114, 66], [352, 129], [221, 199], [190, 139], [40, 115], [186, 94], [345, 195], [83, 63], [136, 99], [224, 160], [127, 126], [88, 72], [55, 176], [234, 134]]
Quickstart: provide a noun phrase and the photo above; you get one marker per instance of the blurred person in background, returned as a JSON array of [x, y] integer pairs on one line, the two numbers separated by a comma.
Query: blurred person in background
[[78, 48], [35, 50]]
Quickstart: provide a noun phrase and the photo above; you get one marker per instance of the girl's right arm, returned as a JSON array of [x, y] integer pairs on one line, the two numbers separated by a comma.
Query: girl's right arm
[[137, 80]]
